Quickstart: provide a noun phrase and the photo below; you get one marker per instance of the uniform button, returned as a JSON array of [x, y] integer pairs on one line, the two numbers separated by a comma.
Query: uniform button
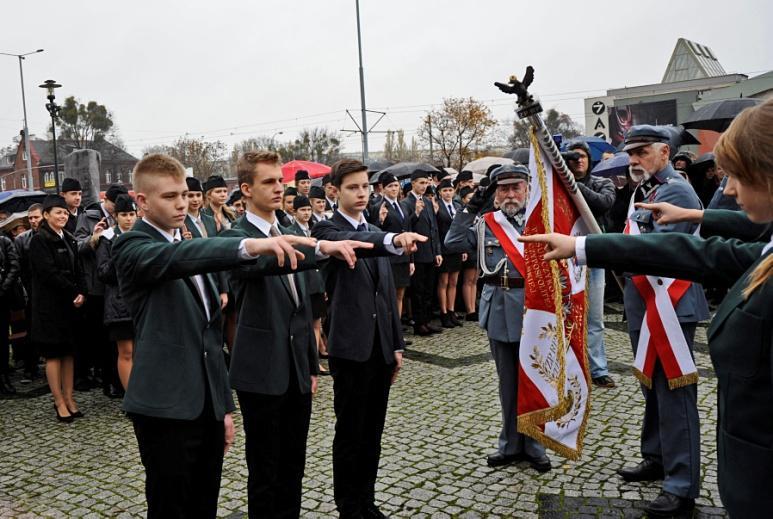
[[292, 337], [660, 281], [205, 354], [374, 316]]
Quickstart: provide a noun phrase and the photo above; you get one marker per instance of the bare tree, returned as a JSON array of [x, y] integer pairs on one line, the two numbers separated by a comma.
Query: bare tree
[[556, 122], [457, 129]]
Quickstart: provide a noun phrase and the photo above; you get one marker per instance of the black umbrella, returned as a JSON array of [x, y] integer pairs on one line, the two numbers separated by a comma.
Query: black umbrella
[[404, 169], [376, 165], [19, 200], [718, 115], [679, 137], [518, 155]]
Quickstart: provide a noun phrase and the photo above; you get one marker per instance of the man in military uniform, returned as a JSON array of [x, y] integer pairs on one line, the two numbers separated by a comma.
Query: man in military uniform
[[501, 301], [670, 439]]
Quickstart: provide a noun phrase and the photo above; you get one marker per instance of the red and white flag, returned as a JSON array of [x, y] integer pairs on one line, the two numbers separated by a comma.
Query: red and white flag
[[553, 374]]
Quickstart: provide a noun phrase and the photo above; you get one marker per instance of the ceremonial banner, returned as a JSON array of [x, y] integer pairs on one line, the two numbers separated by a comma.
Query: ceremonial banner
[[553, 374]]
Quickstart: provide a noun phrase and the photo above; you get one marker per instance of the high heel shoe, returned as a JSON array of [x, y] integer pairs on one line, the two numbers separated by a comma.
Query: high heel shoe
[[75, 414], [66, 419]]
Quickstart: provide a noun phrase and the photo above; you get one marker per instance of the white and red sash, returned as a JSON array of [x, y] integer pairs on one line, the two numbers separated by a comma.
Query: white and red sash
[[508, 238], [661, 336]]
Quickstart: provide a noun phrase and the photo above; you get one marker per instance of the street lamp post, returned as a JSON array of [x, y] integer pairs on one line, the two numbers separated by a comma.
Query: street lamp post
[[273, 137], [24, 108], [50, 85]]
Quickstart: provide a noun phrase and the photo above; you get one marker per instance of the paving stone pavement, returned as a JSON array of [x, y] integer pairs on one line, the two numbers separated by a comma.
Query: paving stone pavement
[[443, 419]]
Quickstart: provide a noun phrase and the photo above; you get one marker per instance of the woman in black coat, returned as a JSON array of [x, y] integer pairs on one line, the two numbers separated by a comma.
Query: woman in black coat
[[117, 317], [58, 289]]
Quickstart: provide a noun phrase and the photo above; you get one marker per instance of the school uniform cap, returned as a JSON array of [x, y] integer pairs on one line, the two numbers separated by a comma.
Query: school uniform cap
[[114, 190], [51, 201], [213, 182], [418, 173], [194, 184], [301, 201], [386, 178], [125, 204], [316, 192], [70, 184]]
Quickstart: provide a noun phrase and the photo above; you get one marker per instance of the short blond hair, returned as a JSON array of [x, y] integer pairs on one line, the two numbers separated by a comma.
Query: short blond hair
[[153, 166], [248, 162]]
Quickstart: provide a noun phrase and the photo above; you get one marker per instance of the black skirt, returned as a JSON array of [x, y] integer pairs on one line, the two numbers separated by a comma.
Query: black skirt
[[318, 306], [120, 331], [401, 272], [451, 263], [56, 350]]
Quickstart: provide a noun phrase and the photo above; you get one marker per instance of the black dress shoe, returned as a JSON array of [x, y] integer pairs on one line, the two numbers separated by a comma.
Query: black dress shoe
[[421, 330], [497, 459], [66, 419], [445, 321], [454, 319], [7, 386], [76, 414], [647, 470], [539, 463], [371, 511], [667, 504], [472, 317], [408, 343], [433, 329], [604, 381]]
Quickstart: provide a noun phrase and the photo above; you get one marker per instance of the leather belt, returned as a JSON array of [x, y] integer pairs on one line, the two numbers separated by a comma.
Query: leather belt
[[503, 282]]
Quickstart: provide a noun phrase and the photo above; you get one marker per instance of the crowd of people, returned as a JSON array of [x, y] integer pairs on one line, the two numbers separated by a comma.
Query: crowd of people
[[175, 298]]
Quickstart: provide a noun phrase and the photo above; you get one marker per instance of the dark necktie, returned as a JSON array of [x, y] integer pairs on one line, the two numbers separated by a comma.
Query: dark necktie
[[451, 210], [198, 283], [274, 231], [362, 227], [397, 210]]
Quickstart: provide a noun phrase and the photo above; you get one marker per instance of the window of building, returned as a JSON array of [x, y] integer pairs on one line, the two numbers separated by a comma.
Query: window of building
[[61, 176], [118, 176], [24, 182], [2, 184]]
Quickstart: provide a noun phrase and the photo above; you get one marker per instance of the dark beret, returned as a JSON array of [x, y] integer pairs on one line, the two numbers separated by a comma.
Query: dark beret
[[386, 178], [326, 179], [70, 184], [419, 174], [301, 201], [466, 191], [316, 192], [464, 175], [236, 195], [194, 184], [491, 168], [441, 174], [114, 190], [213, 182], [445, 183], [302, 174], [51, 201], [290, 191], [125, 204]]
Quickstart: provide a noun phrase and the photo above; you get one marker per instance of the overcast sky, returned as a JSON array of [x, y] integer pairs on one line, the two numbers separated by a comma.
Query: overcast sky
[[232, 69]]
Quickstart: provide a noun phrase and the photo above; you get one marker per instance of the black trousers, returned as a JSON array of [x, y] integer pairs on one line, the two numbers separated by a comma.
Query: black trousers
[[5, 340], [360, 397], [183, 462], [422, 283], [276, 428]]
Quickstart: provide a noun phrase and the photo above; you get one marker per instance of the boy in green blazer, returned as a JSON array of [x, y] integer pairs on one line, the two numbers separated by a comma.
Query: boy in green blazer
[[178, 396]]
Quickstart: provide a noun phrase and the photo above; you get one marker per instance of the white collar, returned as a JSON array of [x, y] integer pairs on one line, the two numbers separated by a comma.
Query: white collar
[[263, 225], [354, 223], [169, 237], [390, 200], [304, 226], [416, 196]]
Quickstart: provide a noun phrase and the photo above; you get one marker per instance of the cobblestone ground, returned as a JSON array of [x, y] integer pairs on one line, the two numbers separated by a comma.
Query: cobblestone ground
[[443, 419]]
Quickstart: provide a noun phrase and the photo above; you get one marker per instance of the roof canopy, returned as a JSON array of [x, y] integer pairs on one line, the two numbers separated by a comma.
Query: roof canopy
[[691, 60]]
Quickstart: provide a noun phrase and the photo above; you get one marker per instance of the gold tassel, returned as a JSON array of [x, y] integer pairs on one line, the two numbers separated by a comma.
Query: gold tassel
[[644, 379], [684, 380]]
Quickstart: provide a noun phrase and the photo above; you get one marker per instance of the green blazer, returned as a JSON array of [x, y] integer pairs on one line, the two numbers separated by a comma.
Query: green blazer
[[274, 337], [740, 343], [178, 352]]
